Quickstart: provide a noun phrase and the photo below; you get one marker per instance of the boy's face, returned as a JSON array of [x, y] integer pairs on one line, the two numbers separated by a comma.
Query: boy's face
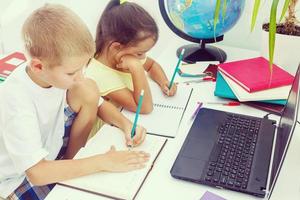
[[139, 50], [66, 74]]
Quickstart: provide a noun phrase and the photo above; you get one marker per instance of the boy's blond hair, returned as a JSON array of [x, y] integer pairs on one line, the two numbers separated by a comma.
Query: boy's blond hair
[[54, 32]]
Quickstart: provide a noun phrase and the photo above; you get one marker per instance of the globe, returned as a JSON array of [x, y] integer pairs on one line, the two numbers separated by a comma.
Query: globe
[[193, 20]]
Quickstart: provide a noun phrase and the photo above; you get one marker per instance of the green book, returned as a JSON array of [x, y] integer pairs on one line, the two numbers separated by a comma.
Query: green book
[[223, 90]]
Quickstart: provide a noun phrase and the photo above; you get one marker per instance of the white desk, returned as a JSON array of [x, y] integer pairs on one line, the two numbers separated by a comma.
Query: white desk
[[160, 184]]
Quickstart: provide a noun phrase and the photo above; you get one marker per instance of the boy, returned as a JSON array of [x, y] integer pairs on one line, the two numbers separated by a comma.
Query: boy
[[47, 110]]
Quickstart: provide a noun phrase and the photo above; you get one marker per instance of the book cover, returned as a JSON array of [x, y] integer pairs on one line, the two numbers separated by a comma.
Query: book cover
[[10, 62], [116, 185], [269, 94], [254, 74], [276, 109]]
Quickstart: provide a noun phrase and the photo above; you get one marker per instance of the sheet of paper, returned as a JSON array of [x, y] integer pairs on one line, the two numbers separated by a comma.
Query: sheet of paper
[[122, 185], [167, 111]]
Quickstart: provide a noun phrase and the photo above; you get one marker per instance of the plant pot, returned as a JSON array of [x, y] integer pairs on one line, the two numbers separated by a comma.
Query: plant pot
[[287, 48]]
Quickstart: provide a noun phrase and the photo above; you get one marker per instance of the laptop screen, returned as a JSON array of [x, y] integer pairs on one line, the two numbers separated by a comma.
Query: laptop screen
[[285, 129]]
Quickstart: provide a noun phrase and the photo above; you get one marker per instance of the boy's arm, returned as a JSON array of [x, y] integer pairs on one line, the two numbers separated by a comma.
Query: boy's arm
[[83, 99], [157, 74], [47, 172]]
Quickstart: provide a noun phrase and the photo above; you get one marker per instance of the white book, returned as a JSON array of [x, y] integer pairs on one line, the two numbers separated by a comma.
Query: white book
[[116, 185], [167, 112], [270, 94]]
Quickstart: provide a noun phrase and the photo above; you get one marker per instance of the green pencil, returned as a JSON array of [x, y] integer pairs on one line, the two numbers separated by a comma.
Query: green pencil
[[176, 68], [138, 110]]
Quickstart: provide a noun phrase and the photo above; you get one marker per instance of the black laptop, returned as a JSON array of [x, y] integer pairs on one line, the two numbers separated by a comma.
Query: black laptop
[[234, 151]]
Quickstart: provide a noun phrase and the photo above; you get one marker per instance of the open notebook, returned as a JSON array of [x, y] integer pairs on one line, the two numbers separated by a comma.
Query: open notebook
[[167, 112], [115, 185]]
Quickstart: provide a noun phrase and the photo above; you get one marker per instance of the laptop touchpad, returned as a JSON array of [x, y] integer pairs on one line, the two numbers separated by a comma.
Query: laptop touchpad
[[198, 149]]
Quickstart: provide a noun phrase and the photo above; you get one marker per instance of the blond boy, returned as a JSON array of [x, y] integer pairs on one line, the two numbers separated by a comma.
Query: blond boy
[[47, 110]]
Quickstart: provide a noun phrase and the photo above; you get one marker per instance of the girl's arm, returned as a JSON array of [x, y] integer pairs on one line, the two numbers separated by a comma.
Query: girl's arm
[[111, 115], [129, 99], [157, 74]]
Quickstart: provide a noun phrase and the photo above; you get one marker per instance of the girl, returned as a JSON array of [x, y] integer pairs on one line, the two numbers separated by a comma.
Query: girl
[[125, 33]]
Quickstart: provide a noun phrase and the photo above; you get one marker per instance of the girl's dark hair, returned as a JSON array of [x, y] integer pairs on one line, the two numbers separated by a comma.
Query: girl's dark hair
[[123, 23]]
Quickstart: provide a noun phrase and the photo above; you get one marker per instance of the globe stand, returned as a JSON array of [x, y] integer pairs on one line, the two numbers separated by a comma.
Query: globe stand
[[202, 52]]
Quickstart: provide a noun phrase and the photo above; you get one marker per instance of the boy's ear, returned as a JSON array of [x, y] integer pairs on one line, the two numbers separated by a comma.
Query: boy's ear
[[36, 65]]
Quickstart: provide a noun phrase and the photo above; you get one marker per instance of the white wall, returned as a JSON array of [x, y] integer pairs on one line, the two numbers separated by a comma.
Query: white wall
[[241, 36], [14, 12], [12, 16]]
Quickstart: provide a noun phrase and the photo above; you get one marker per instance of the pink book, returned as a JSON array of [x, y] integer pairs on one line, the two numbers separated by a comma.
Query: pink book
[[254, 74]]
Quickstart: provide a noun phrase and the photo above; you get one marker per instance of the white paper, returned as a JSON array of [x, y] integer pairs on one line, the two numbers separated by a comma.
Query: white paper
[[167, 111], [121, 185]]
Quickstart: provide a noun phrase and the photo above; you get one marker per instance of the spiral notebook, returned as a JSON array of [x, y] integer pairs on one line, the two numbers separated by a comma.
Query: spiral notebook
[[124, 185], [167, 112]]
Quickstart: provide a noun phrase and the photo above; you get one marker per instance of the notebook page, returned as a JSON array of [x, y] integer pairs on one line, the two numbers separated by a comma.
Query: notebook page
[[178, 100], [121, 185], [167, 111]]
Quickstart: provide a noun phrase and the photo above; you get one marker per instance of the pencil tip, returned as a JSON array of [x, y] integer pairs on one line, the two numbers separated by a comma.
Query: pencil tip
[[182, 51]]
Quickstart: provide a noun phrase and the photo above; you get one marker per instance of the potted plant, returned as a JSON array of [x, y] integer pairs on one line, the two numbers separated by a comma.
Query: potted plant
[[272, 30], [284, 51]]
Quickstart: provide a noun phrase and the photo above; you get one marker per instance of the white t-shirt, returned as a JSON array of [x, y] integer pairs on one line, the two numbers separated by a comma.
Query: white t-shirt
[[31, 127]]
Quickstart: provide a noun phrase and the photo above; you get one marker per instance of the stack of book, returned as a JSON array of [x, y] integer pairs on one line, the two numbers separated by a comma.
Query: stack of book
[[9, 63], [252, 82]]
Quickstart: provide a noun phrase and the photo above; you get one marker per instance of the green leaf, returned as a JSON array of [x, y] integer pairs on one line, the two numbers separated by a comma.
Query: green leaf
[[217, 11], [284, 9], [224, 8], [272, 32], [255, 13]]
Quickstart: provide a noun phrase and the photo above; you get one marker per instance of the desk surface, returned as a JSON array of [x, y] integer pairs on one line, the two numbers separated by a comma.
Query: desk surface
[[160, 184]]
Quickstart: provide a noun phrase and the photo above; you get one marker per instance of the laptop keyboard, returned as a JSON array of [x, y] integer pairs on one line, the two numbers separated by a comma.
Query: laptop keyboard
[[231, 159]]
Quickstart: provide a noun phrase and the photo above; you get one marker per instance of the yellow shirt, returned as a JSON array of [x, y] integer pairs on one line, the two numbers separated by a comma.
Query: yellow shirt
[[107, 79]]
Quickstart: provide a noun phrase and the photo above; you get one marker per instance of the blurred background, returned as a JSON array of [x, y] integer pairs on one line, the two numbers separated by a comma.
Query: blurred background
[[14, 12]]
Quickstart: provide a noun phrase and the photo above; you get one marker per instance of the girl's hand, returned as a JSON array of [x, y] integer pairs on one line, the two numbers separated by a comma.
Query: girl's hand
[[140, 134], [165, 88], [129, 62], [123, 161]]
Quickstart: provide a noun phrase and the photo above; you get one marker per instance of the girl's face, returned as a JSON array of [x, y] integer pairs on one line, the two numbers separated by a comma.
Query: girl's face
[[138, 50]]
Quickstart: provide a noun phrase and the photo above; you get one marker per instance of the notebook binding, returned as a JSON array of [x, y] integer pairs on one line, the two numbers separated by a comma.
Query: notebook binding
[[168, 106]]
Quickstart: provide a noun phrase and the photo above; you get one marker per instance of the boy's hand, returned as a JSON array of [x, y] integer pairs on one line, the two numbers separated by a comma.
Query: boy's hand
[[129, 62], [123, 161], [165, 88], [140, 134]]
